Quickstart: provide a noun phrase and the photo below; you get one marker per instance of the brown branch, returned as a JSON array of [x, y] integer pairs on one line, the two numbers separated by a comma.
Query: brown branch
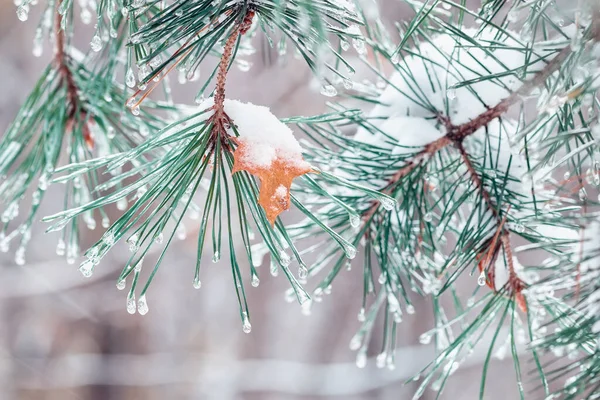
[[226, 60], [457, 133], [61, 59]]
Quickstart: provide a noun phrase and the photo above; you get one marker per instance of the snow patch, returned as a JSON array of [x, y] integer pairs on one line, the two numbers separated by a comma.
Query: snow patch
[[267, 138]]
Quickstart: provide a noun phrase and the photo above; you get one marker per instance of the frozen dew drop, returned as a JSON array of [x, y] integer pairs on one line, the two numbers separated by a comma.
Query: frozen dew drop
[[350, 251], [159, 238], [122, 204], [86, 268], [410, 309], [274, 270], [481, 279], [361, 315], [361, 359], [354, 220], [246, 326], [284, 258], [130, 78], [583, 194], [388, 203], [451, 94], [197, 283], [302, 272], [4, 243], [61, 247], [425, 338], [380, 360], [23, 12], [520, 228], [255, 281], [20, 256], [142, 305], [135, 111], [428, 217], [216, 257], [96, 43], [38, 47], [131, 305], [181, 232], [329, 91], [105, 222], [108, 238], [121, 284], [355, 342]]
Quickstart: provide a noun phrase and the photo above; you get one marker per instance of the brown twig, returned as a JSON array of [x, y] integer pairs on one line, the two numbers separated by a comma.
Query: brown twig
[[61, 59], [457, 133], [226, 60]]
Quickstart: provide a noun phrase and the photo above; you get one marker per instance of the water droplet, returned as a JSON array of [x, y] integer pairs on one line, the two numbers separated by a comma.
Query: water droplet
[[350, 251], [255, 281], [131, 305], [361, 315], [122, 204], [142, 305], [197, 283], [355, 342], [284, 258], [302, 272], [274, 269], [216, 257], [20, 256], [130, 78], [96, 43], [520, 228], [481, 279], [61, 247], [87, 267], [23, 12], [354, 220], [361, 359], [121, 284], [388, 203], [246, 326], [159, 238], [329, 91], [425, 338], [410, 309]]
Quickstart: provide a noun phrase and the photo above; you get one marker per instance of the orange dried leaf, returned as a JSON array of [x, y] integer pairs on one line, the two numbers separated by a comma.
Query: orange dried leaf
[[275, 180]]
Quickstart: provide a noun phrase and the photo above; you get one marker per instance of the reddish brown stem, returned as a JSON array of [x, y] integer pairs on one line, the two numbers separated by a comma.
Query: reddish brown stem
[[61, 60], [237, 31]]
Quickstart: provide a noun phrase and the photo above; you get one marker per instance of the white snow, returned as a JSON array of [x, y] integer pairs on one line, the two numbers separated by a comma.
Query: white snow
[[266, 137], [281, 192], [424, 89]]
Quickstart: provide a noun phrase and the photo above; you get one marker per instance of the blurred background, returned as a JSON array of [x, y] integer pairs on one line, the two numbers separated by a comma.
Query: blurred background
[[63, 336]]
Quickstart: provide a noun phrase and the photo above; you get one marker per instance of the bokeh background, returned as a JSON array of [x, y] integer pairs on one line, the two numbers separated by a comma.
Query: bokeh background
[[66, 337]]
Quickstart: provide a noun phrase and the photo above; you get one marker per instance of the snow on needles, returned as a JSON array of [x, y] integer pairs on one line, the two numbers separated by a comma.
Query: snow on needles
[[266, 136], [423, 85]]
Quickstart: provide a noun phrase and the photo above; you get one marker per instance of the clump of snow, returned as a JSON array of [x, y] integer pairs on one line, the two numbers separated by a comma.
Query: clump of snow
[[424, 86], [411, 133], [281, 192], [266, 137]]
